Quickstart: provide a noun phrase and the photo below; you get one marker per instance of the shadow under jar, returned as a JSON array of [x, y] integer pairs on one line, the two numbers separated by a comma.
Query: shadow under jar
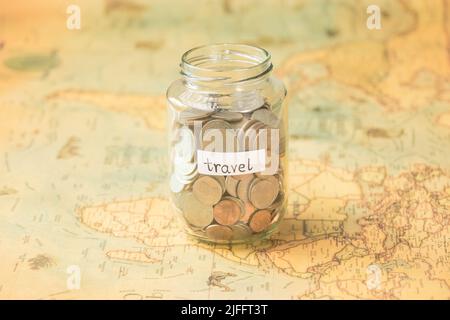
[[227, 144]]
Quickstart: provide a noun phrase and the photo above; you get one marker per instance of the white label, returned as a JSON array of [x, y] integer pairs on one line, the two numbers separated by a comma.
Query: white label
[[231, 163]]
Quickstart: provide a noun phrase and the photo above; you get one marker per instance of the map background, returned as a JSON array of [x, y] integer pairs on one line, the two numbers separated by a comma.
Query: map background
[[83, 155]]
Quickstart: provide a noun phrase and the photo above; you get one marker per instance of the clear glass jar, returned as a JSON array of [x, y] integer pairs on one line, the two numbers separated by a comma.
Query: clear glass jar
[[227, 143]]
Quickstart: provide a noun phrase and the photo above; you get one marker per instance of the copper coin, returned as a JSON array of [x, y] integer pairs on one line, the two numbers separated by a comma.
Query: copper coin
[[207, 190], [218, 232], [228, 211], [260, 220]]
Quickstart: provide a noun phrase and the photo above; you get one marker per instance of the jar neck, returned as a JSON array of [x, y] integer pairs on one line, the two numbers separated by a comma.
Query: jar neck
[[225, 68]]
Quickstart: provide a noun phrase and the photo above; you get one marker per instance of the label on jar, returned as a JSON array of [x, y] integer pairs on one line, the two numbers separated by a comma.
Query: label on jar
[[231, 163]]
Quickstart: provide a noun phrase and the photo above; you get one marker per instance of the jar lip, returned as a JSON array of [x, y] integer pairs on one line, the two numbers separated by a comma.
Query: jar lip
[[226, 47], [245, 61]]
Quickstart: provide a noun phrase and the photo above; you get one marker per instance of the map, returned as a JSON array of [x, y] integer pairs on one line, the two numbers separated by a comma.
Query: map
[[84, 212]]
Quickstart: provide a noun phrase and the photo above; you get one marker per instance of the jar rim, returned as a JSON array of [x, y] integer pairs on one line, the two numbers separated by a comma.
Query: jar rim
[[203, 63]]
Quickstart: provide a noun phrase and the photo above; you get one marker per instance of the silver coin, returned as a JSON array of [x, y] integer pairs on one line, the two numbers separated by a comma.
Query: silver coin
[[195, 212], [267, 117], [228, 116], [185, 168], [188, 179], [247, 101], [212, 131], [216, 124], [221, 179], [185, 147], [192, 114], [231, 185], [175, 184]]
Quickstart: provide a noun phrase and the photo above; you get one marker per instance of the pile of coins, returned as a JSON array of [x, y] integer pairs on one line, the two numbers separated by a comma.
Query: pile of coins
[[232, 208]]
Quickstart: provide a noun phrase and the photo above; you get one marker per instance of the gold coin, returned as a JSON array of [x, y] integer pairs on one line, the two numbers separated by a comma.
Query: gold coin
[[242, 188], [228, 211], [218, 232], [260, 220], [208, 190], [263, 192], [195, 212], [231, 185]]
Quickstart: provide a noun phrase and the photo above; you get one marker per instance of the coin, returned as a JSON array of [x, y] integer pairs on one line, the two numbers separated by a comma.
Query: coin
[[252, 202], [208, 190], [260, 220], [228, 116], [187, 180], [185, 147], [241, 231], [190, 114], [242, 188], [185, 168], [214, 134], [219, 232], [215, 124], [241, 133], [276, 214], [231, 185], [228, 211], [266, 116], [249, 209], [247, 101], [266, 136], [241, 177], [221, 180], [195, 212], [250, 140], [263, 192], [278, 201], [175, 184]]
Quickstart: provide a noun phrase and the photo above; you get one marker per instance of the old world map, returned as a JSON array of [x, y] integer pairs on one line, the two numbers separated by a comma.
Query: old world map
[[83, 156]]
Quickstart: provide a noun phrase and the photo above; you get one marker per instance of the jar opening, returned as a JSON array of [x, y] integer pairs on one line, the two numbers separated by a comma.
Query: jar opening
[[225, 63]]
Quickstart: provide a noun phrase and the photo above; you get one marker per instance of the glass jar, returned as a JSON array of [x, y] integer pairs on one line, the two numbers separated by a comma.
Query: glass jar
[[227, 143]]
